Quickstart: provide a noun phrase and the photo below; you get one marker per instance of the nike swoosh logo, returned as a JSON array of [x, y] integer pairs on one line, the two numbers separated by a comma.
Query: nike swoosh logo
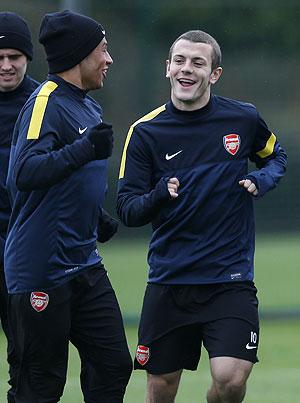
[[169, 157], [82, 130], [2, 36], [248, 347]]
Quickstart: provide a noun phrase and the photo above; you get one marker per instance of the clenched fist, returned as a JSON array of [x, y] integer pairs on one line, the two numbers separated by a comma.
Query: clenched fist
[[101, 137]]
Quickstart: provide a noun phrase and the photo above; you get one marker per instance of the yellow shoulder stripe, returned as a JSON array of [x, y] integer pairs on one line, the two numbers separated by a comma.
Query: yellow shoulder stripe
[[39, 110], [269, 148], [145, 118]]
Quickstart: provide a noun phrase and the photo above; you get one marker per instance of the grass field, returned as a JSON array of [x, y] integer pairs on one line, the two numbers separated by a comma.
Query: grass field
[[277, 274], [274, 380]]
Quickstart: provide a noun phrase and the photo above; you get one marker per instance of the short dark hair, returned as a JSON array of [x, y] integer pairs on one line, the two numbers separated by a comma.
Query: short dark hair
[[198, 36]]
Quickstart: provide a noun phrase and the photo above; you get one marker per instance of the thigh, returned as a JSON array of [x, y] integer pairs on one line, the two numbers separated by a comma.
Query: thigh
[[232, 337], [232, 325], [179, 349], [40, 323], [97, 323], [98, 334]]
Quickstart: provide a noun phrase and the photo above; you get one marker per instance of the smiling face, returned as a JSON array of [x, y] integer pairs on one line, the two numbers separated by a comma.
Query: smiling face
[[13, 64], [94, 67], [191, 74]]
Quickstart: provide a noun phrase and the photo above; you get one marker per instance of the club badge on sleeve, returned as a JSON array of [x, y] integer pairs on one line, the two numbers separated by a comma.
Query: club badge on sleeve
[[39, 300], [232, 143]]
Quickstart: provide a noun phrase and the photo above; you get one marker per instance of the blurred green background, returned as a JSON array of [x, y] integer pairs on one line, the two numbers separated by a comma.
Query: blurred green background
[[260, 40]]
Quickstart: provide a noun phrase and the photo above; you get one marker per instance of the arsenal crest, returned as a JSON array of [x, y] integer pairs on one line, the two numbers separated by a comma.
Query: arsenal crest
[[39, 300], [232, 143], [142, 354]]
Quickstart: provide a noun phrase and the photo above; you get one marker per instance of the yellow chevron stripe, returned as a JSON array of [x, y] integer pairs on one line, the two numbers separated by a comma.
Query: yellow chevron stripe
[[145, 118], [39, 110], [269, 148]]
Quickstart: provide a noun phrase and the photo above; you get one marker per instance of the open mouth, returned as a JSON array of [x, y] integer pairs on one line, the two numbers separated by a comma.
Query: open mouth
[[186, 82], [7, 76]]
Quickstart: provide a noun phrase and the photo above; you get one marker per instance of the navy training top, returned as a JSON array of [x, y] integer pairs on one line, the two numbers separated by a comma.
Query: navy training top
[[56, 187], [205, 235]]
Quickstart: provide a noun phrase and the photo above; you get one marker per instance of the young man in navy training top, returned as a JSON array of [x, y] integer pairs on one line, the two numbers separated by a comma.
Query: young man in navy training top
[[15, 88], [184, 169], [57, 178]]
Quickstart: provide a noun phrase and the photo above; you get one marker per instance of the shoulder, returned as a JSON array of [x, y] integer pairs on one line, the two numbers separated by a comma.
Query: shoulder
[[138, 132], [41, 95], [150, 117], [236, 106], [44, 90], [41, 105]]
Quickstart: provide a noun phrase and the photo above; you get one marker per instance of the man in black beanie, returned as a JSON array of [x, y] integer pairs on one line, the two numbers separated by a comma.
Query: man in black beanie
[[58, 288], [15, 89]]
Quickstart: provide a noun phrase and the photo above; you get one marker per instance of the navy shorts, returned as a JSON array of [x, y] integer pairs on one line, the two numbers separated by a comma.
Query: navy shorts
[[177, 319]]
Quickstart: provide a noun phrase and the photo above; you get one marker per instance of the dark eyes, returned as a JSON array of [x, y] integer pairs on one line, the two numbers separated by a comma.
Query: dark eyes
[[196, 63], [12, 58]]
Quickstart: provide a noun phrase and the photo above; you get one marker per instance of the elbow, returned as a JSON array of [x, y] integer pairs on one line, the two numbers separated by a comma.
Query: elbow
[[128, 216], [22, 177], [26, 182], [22, 182], [129, 220]]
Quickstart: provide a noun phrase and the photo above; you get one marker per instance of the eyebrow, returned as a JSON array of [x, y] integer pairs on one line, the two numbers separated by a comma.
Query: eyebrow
[[193, 58], [11, 54]]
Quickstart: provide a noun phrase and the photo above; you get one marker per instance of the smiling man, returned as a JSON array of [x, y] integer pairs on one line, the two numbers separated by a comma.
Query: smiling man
[[59, 291], [184, 169]]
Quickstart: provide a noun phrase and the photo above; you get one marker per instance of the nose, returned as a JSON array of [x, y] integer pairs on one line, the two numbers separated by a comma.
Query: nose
[[5, 64], [187, 67], [109, 59]]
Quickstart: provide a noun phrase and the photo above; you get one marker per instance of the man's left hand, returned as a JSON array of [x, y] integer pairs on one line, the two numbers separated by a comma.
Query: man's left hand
[[249, 186], [107, 227]]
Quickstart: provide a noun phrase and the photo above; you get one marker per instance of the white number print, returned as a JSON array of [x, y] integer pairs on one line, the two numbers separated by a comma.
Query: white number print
[[253, 337], [253, 341]]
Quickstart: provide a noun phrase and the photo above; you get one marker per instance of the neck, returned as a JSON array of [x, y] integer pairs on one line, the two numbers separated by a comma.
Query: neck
[[72, 76], [191, 105]]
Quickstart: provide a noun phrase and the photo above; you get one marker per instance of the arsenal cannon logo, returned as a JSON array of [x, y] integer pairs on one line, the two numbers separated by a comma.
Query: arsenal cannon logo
[[232, 143], [39, 300], [142, 354]]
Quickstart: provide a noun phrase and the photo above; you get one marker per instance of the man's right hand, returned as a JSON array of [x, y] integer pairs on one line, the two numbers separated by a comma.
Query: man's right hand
[[101, 137]]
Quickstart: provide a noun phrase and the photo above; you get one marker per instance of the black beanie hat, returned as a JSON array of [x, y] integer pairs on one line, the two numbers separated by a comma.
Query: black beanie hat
[[14, 33], [68, 38]]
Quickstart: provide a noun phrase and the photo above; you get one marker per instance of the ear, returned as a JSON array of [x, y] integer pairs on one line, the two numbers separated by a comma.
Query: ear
[[167, 68], [215, 75]]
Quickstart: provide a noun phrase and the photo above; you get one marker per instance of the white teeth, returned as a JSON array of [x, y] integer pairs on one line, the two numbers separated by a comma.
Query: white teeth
[[184, 81]]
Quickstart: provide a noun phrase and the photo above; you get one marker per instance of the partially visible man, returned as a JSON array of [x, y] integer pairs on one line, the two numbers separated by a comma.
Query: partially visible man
[[15, 88], [185, 170], [58, 287]]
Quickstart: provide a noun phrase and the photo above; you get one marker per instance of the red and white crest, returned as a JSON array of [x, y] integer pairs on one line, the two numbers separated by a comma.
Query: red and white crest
[[142, 354], [232, 143], [39, 300]]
